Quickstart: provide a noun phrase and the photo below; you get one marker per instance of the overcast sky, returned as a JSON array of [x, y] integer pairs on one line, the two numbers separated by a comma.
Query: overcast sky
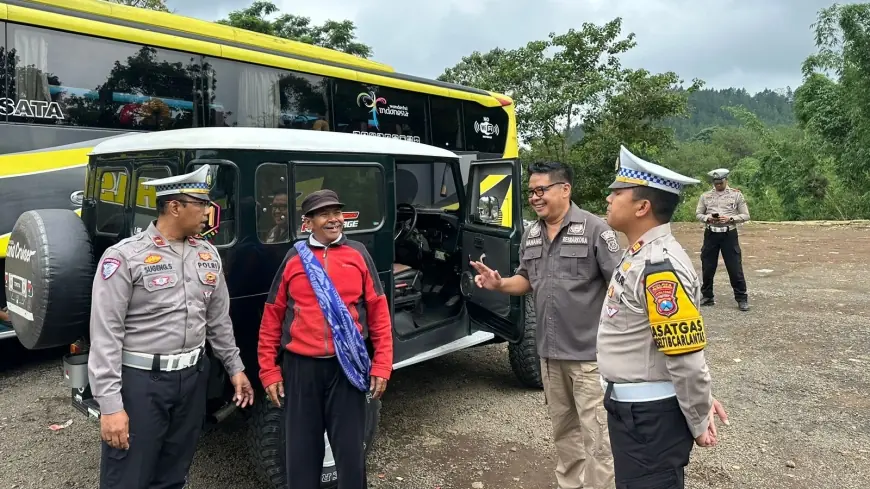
[[754, 44]]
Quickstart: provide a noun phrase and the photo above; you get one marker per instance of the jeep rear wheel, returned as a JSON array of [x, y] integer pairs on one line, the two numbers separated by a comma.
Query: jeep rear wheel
[[523, 356], [266, 441], [48, 277]]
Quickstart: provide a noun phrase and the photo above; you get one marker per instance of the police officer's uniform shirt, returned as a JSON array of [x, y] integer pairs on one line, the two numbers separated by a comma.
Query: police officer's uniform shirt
[[148, 298], [568, 278], [727, 203], [651, 329]]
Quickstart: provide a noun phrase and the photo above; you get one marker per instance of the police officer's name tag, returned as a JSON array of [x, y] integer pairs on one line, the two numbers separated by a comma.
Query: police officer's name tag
[[534, 242]]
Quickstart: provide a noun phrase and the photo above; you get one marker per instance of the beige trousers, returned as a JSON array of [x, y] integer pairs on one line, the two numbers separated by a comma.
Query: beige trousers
[[574, 398]]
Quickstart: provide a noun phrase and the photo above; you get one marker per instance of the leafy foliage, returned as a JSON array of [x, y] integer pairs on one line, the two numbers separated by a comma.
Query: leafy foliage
[[332, 34], [159, 5]]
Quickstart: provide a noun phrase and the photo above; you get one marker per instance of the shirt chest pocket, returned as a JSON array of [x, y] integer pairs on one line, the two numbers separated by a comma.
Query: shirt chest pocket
[[532, 261], [574, 261]]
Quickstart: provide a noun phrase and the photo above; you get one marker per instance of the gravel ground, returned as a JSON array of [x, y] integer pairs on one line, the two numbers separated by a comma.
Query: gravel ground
[[792, 372]]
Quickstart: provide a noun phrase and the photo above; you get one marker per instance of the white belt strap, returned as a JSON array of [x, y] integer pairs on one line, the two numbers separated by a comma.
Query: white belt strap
[[642, 391], [168, 363]]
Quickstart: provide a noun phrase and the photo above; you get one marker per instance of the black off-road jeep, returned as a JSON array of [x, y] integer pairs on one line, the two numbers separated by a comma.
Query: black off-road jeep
[[407, 202]]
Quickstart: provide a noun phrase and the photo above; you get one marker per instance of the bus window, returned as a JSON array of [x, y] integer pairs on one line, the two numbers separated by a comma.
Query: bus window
[[381, 112], [447, 123], [68, 79], [359, 187], [486, 128], [145, 209], [109, 208], [273, 216], [247, 95], [3, 100]]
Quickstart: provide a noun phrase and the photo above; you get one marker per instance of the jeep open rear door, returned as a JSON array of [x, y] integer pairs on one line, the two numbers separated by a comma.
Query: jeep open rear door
[[491, 234]]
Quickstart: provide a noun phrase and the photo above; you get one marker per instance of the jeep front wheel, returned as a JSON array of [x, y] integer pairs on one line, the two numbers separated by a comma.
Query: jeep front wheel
[[523, 356], [266, 441]]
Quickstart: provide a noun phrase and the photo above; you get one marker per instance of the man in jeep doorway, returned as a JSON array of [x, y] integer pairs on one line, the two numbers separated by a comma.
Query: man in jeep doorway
[[567, 257], [157, 296]]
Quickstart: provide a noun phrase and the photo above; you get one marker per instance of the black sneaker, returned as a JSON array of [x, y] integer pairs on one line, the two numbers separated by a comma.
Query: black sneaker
[[708, 301], [743, 305]]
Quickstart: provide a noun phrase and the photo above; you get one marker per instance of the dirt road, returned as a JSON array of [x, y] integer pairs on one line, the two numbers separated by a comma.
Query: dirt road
[[794, 374]]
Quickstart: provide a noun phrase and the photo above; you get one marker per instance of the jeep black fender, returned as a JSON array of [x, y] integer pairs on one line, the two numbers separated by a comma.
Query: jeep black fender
[[48, 277]]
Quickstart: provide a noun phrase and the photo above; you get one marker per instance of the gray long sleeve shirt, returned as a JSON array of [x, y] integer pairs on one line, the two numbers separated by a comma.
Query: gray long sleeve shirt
[[569, 279], [148, 298]]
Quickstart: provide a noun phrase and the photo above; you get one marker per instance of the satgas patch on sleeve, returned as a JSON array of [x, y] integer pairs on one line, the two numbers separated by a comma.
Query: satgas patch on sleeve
[[108, 267], [610, 238], [675, 323]]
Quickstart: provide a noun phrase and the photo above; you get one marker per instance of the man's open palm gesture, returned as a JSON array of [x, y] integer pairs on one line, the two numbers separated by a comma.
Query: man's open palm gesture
[[486, 277]]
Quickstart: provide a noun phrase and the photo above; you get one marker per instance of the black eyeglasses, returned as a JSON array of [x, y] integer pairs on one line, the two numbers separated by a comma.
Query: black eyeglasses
[[199, 203], [541, 189]]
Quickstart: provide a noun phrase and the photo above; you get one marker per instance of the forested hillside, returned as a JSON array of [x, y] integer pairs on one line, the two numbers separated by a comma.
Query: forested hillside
[[706, 109]]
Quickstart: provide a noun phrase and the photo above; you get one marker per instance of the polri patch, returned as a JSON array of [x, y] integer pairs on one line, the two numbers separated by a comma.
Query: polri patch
[[664, 293], [109, 267], [610, 238]]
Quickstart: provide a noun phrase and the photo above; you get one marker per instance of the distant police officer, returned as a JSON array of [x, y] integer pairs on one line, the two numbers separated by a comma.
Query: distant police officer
[[157, 296], [651, 339], [722, 209], [566, 258]]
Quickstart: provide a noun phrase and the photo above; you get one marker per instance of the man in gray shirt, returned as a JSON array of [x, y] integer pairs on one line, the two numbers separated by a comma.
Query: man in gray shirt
[[567, 257], [157, 296]]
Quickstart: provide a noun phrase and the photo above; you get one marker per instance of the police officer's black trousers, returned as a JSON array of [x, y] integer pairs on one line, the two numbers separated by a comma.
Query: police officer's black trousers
[[318, 397], [166, 411], [729, 245], [650, 441]]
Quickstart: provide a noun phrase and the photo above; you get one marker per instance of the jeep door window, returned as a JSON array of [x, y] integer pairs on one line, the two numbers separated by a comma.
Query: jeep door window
[[111, 195], [224, 193], [380, 112], [272, 194], [359, 186], [492, 195], [145, 209], [428, 184], [248, 95], [77, 80]]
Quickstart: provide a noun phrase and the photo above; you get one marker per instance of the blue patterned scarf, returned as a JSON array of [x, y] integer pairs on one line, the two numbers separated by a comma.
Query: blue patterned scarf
[[350, 348]]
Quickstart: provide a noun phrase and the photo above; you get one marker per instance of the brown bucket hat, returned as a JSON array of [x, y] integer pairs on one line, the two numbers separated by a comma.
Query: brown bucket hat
[[319, 200]]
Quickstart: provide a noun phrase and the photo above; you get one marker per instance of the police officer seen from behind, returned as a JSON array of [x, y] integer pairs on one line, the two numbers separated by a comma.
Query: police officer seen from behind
[[157, 296], [658, 391], [566, 257], [722, 209]]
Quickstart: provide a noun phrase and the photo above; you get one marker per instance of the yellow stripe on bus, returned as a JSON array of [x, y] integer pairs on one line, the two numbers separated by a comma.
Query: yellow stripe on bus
[[4, 239], [24, 163], [3, 11], [507, 215], [129, 34], [489, 182]]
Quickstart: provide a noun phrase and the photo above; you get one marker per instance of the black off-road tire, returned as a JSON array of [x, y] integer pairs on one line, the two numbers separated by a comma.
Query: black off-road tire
[[523, 356], [266, 442], [50, 264]]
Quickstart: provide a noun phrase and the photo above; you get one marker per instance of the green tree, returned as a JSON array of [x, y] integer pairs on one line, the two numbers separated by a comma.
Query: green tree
[[556, 83], [332, 34], [159, 5]]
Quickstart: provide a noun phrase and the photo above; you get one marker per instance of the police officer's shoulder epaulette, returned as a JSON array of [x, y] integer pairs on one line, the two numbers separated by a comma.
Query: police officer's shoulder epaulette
[[132, 245]]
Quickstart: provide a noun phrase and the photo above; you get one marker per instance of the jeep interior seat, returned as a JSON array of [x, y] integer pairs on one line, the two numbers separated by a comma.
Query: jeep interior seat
[[408, 287]]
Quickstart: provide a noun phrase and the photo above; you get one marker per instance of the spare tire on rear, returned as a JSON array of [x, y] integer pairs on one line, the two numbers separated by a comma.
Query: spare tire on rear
[[49, 274]]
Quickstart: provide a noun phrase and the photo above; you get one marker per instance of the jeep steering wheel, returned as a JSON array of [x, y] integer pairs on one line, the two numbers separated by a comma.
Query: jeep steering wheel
[[404, 228]]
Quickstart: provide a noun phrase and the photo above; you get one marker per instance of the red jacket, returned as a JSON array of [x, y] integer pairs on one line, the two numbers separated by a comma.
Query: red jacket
[[292, 317]]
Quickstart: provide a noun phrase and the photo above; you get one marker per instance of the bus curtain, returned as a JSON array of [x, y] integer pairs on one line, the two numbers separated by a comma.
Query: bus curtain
[[350, 347]]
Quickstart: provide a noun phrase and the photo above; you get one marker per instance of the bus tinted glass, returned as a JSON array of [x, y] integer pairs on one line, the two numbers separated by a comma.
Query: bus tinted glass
[[486, 128], [248, 95], [380, 112], [446, 123], [3, 75], [68, 79], [359, 187]]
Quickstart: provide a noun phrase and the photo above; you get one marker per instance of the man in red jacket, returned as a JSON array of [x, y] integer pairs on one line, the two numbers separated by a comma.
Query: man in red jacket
[[297, 356]]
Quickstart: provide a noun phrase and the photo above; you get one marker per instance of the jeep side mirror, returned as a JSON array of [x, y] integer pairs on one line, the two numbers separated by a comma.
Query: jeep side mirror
[[488, 209]]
